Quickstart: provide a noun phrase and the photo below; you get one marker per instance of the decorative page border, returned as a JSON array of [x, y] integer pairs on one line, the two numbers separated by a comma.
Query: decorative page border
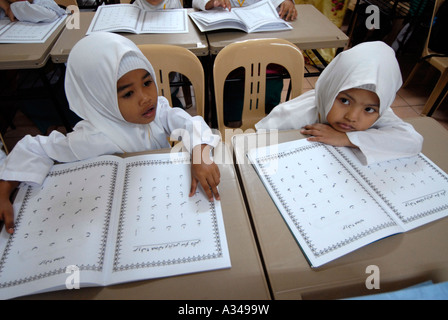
[[285, 209], [384, 197], [101, 254], [126, 267]]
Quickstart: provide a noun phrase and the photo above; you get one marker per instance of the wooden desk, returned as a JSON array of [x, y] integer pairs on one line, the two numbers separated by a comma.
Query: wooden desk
[[403, 260], [311, 30], [194, 40], [27, 55], [244, 280]]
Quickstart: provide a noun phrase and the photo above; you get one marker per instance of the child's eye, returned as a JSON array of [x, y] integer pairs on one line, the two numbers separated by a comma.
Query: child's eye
[[345, 101], [370, 110], [147, 83], [128, 94]]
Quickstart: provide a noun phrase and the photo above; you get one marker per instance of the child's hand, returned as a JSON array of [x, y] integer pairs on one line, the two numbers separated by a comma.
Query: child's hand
[[6, 209], [7, 8], [218, 3], [288, 10], [204, 171], [326, 134]]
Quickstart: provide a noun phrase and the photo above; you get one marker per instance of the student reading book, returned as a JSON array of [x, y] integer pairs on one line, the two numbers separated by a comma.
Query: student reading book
[[115, 93], [286, 8], [258, 17], [351, 106], [31, 11]]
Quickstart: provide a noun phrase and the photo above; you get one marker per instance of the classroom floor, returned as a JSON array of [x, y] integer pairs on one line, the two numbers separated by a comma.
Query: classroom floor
[[408, 103]]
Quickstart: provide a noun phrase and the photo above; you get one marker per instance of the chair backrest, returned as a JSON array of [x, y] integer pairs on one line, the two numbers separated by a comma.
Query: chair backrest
[[426, 50], [66, 3], [2, 144], [169, 58], [254, 56]]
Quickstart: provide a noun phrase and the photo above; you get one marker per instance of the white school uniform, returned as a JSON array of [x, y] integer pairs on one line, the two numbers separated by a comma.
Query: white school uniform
[[200, 4], [165, 4], [38, 11], [91, 89], [369, 65]]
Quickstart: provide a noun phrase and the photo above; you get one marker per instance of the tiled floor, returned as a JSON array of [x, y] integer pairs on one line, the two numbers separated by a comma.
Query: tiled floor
[[408, 103]]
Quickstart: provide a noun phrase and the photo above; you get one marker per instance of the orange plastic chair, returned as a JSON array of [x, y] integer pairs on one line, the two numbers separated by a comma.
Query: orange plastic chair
[[254, 56]]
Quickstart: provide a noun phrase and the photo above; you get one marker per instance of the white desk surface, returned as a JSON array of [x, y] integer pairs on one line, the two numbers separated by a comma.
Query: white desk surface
[[27, 55], [403, 260]]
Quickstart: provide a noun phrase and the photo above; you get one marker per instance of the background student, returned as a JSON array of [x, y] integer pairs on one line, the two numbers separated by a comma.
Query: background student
[[115, 93], [31, 10], [351, 106]]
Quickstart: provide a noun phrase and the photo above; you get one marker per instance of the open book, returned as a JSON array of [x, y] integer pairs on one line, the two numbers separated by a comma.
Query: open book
[[113, 220], [130, 18], [334, 205], [27, 32], [257, 17]]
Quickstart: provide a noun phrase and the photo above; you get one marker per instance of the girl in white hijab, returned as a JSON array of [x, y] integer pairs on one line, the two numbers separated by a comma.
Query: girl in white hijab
[[351, 106], [119, 115]]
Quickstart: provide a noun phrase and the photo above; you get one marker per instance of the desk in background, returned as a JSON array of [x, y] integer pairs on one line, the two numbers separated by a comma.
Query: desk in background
[[311, 30], [194, 40], [244, 280], [31, 57], [405, 259]]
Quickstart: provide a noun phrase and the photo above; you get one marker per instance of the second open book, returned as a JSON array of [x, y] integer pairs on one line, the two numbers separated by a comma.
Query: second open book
[[334, 205], [258, 17]]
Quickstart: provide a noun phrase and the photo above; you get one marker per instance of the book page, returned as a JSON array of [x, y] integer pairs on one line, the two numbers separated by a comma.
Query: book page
[[414, 188], [117, 17], [327, 209], [217, 19], [162, 231], [261, 16], [161, 228], [165, 21], [27, 32], [62, 223]]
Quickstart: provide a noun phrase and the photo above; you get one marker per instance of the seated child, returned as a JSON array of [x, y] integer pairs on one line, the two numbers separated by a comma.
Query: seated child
[[351, 106], [158, 4], [115, 94], [31, 10]]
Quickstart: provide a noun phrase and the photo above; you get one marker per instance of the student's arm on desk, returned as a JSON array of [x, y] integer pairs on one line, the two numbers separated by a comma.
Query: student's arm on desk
[[6, 209], [326, 134]]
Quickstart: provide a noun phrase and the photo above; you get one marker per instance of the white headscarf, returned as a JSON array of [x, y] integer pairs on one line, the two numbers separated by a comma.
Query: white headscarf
[[91, 89], [369, 65]]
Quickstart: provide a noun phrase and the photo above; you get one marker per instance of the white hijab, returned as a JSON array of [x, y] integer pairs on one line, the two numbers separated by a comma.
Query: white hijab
[[91, 89], [369, 65]]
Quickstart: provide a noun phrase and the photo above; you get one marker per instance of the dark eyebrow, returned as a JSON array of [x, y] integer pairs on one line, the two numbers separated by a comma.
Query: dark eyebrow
[[123, 87], [366, 105]]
